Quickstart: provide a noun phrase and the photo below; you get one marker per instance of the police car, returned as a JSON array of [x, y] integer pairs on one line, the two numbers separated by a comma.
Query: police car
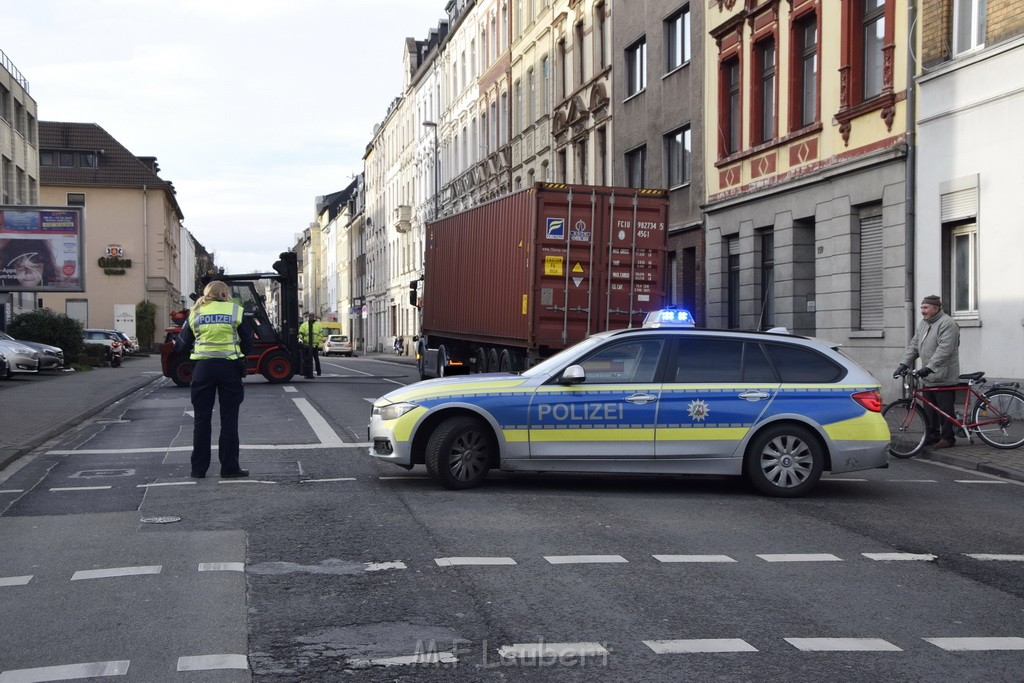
[[666, 398]]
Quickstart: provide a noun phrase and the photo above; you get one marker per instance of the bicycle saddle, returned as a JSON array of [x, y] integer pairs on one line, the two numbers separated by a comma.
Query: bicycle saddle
[[973, 376]]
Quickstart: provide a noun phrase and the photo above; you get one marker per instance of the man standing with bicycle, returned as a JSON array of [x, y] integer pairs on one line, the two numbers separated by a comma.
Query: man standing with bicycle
[[937, 344]]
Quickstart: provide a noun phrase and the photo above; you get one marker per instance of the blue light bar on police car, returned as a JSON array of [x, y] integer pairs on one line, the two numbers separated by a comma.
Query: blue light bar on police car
[[669, 317]]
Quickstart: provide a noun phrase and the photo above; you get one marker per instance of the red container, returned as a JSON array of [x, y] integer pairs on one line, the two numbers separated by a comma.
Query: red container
[[540, 269]]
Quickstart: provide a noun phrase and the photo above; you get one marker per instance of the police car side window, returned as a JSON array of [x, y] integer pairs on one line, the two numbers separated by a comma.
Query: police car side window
[[756, 367], [797, 365], [634, 361], [709, 359]]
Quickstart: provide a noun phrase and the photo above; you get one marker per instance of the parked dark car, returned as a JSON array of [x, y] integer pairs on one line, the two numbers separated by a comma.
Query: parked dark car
[[50, 357]]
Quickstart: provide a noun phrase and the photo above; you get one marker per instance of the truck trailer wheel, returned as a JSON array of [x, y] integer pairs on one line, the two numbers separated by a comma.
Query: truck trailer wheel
[[492, 360], [278, 368], [506, 363], [181, 372]]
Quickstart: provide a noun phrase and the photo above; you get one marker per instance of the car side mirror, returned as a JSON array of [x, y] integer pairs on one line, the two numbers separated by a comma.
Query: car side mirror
[[574, 374]]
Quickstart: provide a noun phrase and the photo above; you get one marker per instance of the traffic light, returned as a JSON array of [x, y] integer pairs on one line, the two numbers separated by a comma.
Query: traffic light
[[414, 293], [288, 266]]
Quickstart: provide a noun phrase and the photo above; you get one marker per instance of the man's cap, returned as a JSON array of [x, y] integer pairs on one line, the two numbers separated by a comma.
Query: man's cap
[[932, 300]]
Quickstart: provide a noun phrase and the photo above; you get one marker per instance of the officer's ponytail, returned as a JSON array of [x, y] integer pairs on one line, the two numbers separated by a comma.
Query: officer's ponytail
[[217, 290]]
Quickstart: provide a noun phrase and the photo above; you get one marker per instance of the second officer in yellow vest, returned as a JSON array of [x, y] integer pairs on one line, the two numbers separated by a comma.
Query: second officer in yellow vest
[[220, 338]]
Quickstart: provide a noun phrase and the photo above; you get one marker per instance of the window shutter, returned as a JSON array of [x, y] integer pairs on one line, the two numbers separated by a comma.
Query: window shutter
[[872, 307], [960, 205]]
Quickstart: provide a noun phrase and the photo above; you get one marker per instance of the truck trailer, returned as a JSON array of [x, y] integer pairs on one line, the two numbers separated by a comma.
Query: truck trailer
[[513, 281]]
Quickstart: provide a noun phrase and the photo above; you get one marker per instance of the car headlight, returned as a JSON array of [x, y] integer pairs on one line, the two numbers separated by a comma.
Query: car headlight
[[393, 411]]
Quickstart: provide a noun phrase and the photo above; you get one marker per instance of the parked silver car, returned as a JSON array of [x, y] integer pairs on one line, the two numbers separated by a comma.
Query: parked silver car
[[18, 357], [50, 357]]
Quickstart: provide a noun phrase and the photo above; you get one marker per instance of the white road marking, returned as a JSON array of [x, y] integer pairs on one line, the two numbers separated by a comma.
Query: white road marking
[[897, 557], [370, 374], [394, 478], [15, 580], [12, 491], [670, 647], [551, 651], [979, 481], [291, 390], [222, 566], [380, 566], [81, 488], [915, 481], [978, 643], [842, 645], [210, 662], [244, 447], [842, 479], [421, 658], [191, 413], [585, 559], [323, 431], [313, 481], [693, 558], [464, 561], [986, 557], [65, 672], [116, 571], [167, 483], [797, 557], [245, 481]]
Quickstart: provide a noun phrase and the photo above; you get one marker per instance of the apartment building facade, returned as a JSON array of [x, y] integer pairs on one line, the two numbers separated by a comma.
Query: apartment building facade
[[531, 145], [805, 171], [968, 169], [133, 224], [659, 129], [19, 163]]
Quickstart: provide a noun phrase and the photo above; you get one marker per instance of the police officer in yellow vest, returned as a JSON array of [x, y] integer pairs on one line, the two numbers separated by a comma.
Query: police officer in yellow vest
[[312, 335], [220, 338]]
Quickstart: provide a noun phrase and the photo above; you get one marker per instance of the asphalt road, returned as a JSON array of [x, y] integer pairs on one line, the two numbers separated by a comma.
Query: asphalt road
[[328, 565]]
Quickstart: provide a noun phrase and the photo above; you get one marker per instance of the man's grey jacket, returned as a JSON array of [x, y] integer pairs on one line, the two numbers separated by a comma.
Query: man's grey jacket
[[937, 344]]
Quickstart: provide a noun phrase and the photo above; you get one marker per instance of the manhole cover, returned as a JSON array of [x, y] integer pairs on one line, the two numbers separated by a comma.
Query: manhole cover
[[160, 520]]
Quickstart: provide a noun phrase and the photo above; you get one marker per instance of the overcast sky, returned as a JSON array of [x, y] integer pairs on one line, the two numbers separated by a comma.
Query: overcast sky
[[252, 107]]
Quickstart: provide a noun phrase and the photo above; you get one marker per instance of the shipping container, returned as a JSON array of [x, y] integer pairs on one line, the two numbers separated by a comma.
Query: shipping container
[[515, 280]]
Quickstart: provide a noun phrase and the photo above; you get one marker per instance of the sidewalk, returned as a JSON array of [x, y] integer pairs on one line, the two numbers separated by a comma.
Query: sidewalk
[[34, 410]]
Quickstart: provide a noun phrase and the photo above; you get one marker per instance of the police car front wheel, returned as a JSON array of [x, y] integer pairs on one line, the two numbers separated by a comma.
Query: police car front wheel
[[785, 461], [459, 453]]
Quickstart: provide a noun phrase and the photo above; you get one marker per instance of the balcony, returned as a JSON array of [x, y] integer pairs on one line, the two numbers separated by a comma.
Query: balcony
[[403, 218]]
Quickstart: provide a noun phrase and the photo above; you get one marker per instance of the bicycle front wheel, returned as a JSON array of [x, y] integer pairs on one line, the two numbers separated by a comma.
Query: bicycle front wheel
[[907, 427], [1007, 414]]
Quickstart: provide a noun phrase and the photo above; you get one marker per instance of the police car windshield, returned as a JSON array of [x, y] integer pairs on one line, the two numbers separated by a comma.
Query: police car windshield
[[557, 361]]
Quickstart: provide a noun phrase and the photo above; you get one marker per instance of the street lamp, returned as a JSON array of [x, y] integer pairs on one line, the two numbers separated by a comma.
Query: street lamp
[[437, 167]]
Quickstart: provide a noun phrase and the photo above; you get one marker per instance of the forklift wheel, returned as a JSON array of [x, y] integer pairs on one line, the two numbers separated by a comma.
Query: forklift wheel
[[181, 372], [278, 369]]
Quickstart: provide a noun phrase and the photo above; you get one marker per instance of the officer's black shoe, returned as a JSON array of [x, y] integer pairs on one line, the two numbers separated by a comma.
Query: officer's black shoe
[[235, 475]]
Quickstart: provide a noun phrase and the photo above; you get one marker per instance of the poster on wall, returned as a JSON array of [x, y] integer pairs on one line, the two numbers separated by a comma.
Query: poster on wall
[[41, 249]]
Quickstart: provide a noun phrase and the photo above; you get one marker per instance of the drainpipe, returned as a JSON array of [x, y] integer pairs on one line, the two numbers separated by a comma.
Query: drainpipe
[[910, 179], [145, 243]]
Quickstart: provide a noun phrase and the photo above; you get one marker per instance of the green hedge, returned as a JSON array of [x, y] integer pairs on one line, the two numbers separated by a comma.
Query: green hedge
[[46, 327]]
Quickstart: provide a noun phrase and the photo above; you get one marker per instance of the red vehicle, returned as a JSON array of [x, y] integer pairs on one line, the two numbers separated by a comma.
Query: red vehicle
[[515, 280], [275, 353]]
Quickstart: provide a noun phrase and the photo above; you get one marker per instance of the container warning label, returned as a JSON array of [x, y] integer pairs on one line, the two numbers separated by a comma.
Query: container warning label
[[553, 265]]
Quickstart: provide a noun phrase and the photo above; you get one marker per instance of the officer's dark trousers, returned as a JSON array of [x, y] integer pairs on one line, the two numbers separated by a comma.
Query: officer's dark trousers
[[212, 379]]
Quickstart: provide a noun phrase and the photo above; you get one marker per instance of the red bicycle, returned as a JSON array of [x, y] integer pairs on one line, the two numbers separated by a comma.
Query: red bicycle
[[997, 415]]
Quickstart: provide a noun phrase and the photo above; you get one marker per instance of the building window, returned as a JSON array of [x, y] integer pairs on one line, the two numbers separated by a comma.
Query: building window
[[730, 111], [767, 279], [872, 303], [46, 158], [545, 65], [600, 36], [677, 39], [636, 167], [87, 160], [582, 176], [563, 72], [806, 70], [963, 270], [518, 124], [732, 285], [577, 48], [764, 115], [968, 25], [76, 199], [600, 176], [677, 157], [636, 67], [5, 103], [563, 163], [873, 25], [66, 159], [531, 97]]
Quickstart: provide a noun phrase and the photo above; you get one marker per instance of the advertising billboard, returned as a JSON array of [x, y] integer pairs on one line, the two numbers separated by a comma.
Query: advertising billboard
[[41, 249]]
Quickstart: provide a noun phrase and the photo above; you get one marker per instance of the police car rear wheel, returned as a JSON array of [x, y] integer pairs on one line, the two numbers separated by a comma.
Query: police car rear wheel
[[785, 461], [459, 453]]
